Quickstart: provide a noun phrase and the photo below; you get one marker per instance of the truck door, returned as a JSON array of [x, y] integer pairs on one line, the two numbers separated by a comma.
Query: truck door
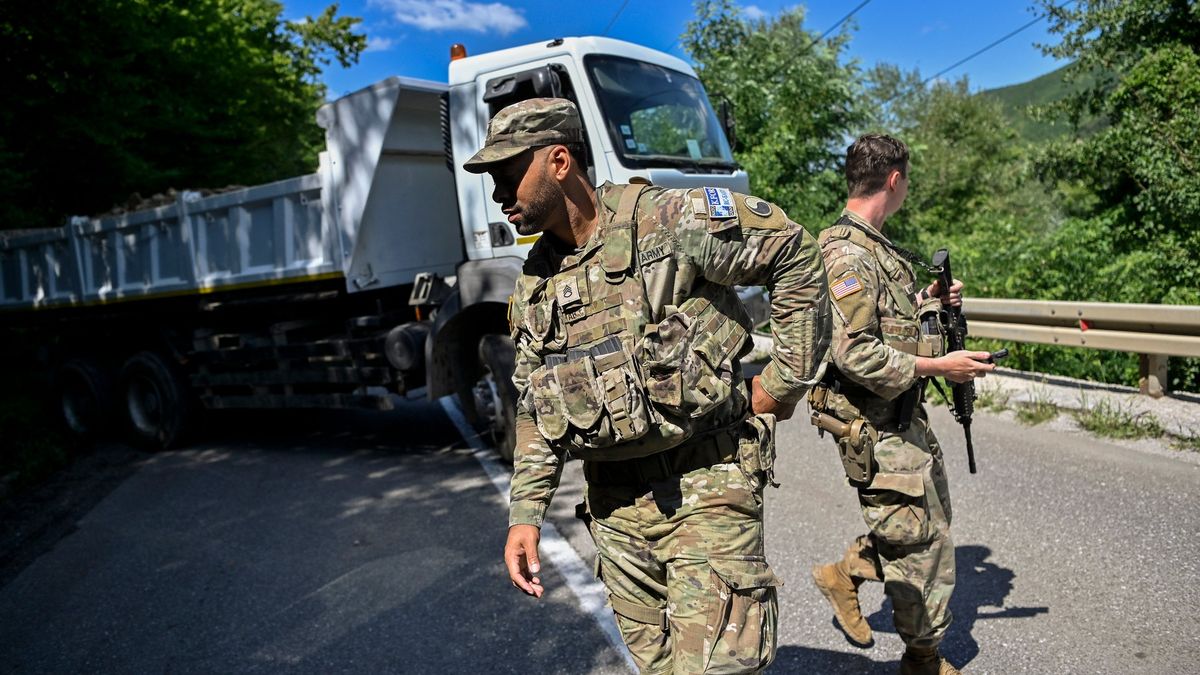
[[554, 77]]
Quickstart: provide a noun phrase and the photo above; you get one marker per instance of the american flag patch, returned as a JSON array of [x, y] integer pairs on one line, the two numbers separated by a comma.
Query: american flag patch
[[847, 285]]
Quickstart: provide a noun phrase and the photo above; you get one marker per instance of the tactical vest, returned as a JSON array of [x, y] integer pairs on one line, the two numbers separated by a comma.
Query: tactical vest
[[614, 384], [915, 329]]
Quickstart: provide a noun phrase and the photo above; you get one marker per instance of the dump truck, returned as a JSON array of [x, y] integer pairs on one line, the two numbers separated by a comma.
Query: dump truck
[[384, 274]]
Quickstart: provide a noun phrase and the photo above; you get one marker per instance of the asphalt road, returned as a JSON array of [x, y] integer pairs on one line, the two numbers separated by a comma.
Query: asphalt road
[[326, 543], [370, 543]]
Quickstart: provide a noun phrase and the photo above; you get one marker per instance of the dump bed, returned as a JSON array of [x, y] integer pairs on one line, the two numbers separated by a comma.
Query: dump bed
[[380, 209]]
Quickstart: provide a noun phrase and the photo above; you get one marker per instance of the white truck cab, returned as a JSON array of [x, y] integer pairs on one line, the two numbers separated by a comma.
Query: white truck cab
[[644, 114]]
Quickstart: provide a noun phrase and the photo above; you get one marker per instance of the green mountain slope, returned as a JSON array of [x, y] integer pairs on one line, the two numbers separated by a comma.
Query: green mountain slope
[[1017, 99]]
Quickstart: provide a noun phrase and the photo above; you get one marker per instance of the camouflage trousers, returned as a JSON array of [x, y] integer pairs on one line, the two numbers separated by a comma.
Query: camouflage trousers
[[907, 508], [685, 568]]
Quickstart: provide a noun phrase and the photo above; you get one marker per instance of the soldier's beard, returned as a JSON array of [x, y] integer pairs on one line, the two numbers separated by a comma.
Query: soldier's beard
[[531, 219]]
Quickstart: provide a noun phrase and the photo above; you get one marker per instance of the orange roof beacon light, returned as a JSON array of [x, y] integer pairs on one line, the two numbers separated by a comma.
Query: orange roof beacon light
[[458, 51]]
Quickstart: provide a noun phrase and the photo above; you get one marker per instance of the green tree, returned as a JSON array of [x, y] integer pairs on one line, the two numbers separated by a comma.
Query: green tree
[[105, 98], [1145, 162], [968, 169], [1138, 176], [795, 100]]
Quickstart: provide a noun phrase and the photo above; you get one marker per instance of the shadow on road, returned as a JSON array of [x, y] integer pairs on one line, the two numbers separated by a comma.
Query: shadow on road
[[980, 583], [795, 659], [297, 541]]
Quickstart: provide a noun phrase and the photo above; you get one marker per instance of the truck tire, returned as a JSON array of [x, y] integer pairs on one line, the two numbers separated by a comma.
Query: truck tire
[[158, 407], [495, 396], [83, 393]]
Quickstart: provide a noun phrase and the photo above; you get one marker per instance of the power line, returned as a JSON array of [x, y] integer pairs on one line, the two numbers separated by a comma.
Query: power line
[[993, 44], [614, 19], [824, 35], [837, 25]]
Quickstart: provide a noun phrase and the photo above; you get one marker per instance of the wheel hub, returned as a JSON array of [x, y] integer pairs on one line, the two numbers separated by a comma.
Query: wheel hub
[[487, 400]]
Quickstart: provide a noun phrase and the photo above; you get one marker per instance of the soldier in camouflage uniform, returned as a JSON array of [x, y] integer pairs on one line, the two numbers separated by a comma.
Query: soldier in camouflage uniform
[[628, 334], [881, 351]]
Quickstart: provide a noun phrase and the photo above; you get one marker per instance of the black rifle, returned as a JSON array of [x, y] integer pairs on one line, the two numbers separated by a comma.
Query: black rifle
[[954, 326]]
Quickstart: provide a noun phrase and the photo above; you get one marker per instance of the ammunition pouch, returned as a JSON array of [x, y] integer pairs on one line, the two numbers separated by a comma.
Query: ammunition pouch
[[613, 386]]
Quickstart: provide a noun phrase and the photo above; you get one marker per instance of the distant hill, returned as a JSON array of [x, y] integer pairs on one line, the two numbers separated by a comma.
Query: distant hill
[[1018, 98]]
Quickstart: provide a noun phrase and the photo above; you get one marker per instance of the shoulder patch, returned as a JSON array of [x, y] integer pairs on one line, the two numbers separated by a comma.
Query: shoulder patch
[[757, 206], [720, 203], [759, 214], [846, 286]]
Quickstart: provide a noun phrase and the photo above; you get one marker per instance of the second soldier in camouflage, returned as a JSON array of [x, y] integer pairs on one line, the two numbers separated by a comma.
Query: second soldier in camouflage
[[881, 350]]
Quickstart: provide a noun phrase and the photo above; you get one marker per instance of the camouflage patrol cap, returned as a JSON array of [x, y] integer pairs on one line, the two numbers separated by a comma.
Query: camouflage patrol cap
[[532, 123]]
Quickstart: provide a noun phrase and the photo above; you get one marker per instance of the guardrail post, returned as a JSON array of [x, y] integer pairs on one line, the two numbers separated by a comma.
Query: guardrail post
[[1152, 379]]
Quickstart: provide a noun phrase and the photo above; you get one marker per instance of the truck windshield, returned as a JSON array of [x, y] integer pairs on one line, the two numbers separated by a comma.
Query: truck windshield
[[657, 116]]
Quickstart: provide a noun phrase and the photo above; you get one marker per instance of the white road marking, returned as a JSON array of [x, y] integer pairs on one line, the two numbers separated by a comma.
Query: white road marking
[[553, 546]]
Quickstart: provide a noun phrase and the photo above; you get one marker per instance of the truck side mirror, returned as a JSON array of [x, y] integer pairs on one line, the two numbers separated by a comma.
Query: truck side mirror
[[728, 123], [546, 83], [543, 82]]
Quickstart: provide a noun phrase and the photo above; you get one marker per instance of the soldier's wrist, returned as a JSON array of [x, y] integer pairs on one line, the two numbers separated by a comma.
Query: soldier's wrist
[[526, 512], [775, 386]]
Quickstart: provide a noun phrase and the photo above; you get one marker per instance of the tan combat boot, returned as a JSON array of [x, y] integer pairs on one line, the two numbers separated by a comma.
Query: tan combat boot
[[841, 591], [925, 661]]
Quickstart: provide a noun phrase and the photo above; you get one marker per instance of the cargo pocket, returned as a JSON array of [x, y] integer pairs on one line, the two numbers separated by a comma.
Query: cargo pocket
[[688, 358], [708, 367], [624, 398], [662, 354], [548, 410], [756, 451], [580, 392], [895, 508], [742, 624], [565, 395]]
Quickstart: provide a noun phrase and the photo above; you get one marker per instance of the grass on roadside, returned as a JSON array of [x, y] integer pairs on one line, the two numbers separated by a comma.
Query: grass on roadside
[[1038, 409], [1190, 441], [992, 398], [1113, 420]]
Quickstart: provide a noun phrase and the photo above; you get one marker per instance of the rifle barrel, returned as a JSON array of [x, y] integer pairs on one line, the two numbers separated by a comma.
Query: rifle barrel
[[970, 446]]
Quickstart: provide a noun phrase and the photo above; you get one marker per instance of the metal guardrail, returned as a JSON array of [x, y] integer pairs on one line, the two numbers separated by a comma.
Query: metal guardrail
[[1154, 332]]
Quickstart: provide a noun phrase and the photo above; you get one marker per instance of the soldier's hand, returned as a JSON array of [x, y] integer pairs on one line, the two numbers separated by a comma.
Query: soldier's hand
[[762, 402], [953, 298], [963, 366], [521, 559]]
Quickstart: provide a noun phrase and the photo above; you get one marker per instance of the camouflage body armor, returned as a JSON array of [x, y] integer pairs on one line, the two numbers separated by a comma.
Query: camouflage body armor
[[626, 373], [849, 411]]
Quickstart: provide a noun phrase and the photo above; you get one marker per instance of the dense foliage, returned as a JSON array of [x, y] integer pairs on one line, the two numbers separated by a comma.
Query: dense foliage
[[105, 98], [1110, 211], [795, 101]]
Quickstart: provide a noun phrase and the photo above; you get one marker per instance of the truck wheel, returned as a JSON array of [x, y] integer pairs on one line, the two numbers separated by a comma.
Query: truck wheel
[[157, 404], [83, 391], [495, 397]]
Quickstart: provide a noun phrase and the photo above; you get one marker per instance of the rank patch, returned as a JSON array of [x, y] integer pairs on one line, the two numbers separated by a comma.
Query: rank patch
[[568, 292], [847, 285], [720, 203]]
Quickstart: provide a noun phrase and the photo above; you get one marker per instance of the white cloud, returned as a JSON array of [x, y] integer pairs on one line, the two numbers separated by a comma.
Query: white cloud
[[455, 14], [935, 27], [754, 12], [379, 44]]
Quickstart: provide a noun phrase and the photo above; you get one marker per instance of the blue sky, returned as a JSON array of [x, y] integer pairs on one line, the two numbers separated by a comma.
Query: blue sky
[[413, 37]]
